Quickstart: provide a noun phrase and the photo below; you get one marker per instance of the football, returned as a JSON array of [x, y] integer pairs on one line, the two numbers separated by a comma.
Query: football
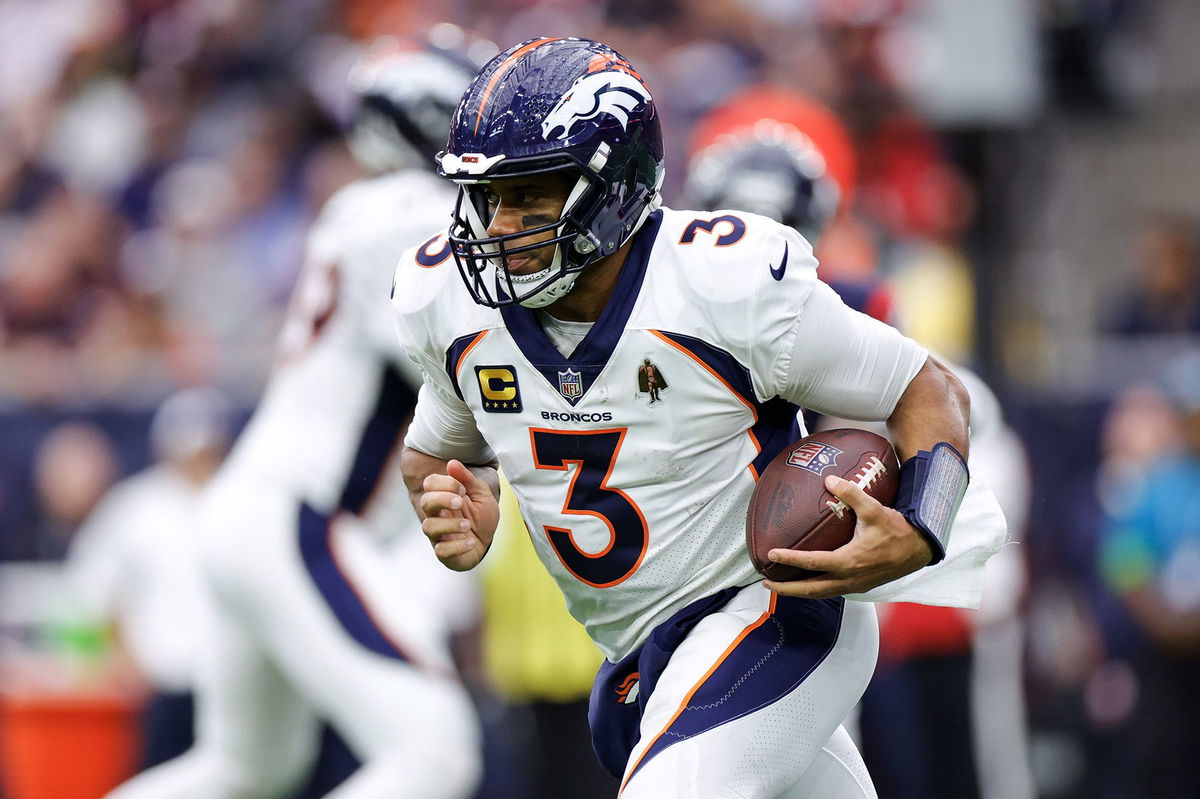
[[790, 508]]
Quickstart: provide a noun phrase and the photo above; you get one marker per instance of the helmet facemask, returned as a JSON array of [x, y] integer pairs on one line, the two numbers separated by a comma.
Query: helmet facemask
[[483, 259]]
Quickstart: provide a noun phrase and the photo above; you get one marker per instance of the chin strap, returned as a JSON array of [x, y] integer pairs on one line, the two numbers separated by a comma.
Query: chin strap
[[932, 485], [552, 291]]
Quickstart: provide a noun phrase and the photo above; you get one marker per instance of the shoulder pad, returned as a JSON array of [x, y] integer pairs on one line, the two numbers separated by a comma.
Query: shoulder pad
[[730, 255], [423, 273]]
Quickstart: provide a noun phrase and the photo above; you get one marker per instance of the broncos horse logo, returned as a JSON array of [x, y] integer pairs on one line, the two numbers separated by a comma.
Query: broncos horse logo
[[614, 93]]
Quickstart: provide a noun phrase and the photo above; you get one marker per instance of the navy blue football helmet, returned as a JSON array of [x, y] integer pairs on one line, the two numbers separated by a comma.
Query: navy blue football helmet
[[770, 168], [551, 105]]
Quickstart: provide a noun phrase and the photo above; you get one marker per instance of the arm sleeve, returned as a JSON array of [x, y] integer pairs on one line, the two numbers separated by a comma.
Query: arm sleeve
[[443, 427], [844, 363]]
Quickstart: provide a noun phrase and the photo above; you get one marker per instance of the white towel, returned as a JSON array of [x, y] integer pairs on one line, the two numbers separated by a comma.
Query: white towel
[[979, 532]]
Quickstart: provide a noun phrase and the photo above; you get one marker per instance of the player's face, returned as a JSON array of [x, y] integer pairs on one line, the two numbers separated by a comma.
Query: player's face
[[516, 204]]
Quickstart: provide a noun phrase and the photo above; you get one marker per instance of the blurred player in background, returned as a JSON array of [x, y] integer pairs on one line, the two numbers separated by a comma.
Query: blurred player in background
[[775, 152], [135, 562], [716, 683], [765, 151], [328, 603]]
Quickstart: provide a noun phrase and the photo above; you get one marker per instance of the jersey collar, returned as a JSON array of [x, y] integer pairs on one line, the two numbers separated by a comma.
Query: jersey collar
[[592, 354]]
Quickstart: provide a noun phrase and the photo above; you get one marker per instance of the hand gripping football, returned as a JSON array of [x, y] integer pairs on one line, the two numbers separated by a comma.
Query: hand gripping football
[[790, 508]]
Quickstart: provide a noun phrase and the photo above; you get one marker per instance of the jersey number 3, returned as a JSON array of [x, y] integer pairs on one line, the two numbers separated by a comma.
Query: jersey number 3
[[593, 453]]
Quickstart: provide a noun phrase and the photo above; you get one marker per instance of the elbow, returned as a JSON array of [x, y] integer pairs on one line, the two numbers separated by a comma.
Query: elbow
[[958, 394], [957, 402]]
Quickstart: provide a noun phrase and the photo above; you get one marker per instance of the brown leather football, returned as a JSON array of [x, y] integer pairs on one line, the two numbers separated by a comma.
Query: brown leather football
[[790, 508]]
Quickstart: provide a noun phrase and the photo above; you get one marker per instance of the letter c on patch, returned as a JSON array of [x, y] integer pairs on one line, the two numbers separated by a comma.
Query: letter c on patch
[[497, 384], [498, 389]]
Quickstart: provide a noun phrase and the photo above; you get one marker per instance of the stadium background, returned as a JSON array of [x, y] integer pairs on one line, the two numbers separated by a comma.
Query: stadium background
[[1027, 174]]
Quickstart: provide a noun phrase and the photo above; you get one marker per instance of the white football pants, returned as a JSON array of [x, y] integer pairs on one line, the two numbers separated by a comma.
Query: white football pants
[[317, 619], [791, 748]]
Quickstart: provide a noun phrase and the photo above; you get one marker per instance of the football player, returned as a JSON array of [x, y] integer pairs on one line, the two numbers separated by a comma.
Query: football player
[[716, 683], [323, 604]]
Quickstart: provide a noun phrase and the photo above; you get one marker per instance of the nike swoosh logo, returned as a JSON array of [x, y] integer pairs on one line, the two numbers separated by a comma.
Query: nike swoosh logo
[[777, 271]]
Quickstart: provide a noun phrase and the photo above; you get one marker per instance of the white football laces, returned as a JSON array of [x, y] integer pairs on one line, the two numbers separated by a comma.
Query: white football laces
[[866, 477]]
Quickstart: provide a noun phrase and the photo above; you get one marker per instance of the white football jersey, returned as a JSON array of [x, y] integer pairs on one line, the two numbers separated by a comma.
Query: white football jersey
[[633, 460], [328, 424], [134, 561]]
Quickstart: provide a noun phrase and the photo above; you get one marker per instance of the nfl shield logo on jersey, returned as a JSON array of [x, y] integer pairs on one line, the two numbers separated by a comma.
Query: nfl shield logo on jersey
[[814, 456], [570, 384]]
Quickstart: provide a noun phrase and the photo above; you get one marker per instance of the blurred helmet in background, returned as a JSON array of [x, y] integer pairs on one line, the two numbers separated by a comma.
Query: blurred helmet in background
[[775, 152], [552, 105], [769, 168], [406, 92]]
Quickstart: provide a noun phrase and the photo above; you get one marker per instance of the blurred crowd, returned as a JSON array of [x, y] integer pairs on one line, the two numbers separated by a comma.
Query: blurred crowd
[[161, 161]]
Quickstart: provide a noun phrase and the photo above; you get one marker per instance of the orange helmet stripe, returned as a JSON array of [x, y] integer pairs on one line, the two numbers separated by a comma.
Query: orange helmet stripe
[[603, 61], [504, 67]]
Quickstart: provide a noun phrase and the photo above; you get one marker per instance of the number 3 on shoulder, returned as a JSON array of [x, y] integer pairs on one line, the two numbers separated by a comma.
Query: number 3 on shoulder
[[736, 229]]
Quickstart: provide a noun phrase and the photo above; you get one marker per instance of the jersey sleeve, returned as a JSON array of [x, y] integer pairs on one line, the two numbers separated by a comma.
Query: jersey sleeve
[[443, 425], [360, 235], [805, 345], [845, 363]]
